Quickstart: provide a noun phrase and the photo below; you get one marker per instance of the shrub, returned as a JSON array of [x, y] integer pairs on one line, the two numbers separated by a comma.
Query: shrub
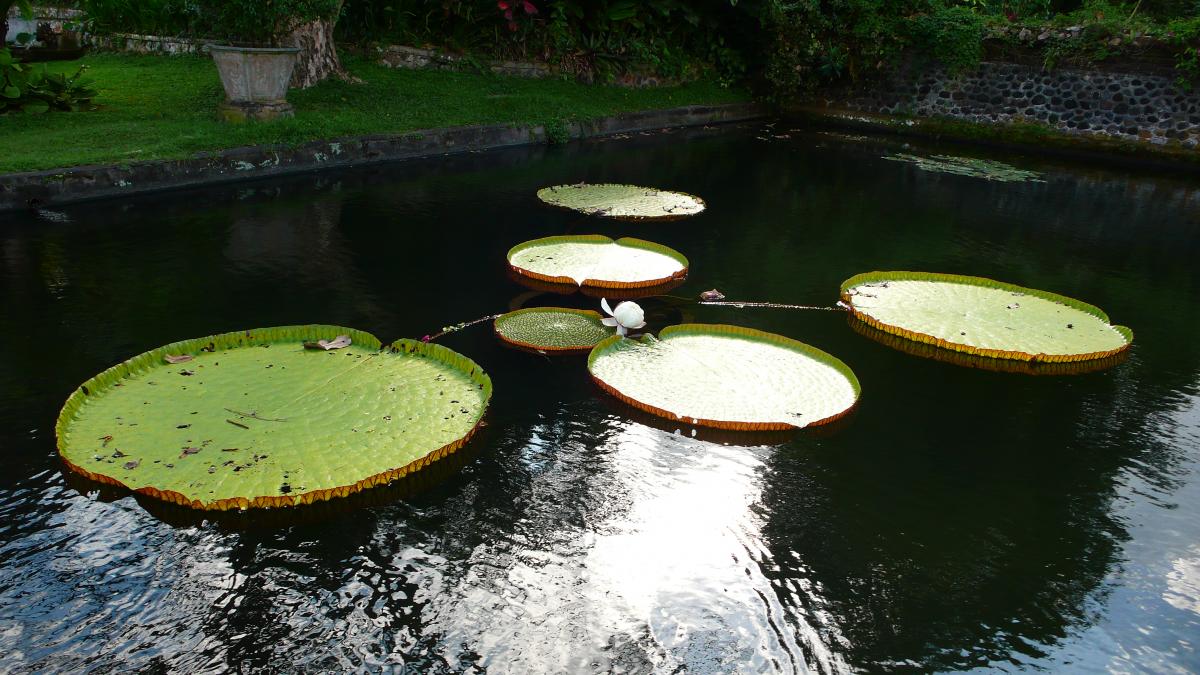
[[33, 90], [1184, 35], [242, 21], [822, 41]]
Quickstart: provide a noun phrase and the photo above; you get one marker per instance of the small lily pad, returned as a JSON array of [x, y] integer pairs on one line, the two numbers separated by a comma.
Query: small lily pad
[[984, 317], [597, 261], [323, 423], [624, 202], [552, 329], [726, 377]]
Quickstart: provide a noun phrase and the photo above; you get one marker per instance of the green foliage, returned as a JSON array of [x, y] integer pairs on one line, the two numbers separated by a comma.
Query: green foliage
[[953, 36], [242, 21], [598, 39], [33, 90], [1184, 35], [556, 131], [817, 42], [145, 17]]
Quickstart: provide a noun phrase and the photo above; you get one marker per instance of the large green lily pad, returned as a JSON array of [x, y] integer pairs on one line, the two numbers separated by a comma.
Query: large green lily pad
[[625, 202], [726, 377], [256, 419], [552, 329], [597, 261], [965, 360], [984, 317]]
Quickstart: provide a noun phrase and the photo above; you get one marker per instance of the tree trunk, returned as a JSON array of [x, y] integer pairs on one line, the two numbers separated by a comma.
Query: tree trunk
[[318, 56]]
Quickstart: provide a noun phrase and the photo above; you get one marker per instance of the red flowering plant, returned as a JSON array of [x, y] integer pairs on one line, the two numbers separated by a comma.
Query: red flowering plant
[[508, 9]]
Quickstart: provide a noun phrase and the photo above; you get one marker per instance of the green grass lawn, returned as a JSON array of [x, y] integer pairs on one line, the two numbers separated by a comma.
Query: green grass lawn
[[164, 107]]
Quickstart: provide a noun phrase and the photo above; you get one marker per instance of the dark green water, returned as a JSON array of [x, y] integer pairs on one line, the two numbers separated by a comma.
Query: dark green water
[[960, 519]]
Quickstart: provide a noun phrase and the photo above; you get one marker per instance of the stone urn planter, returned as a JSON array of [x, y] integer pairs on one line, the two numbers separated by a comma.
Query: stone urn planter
[[255, 80]]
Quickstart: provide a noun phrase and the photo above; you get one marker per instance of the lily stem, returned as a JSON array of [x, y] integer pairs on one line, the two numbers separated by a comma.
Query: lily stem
[[459, 326], [770, 305]]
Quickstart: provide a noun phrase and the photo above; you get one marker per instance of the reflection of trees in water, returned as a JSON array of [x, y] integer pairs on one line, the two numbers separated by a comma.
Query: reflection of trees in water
[[966, 517], [109, 283]]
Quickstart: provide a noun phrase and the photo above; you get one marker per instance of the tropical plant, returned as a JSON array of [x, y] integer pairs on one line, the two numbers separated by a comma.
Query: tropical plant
[[59, 91], [33, 90], [14, 83], [1184, 36]]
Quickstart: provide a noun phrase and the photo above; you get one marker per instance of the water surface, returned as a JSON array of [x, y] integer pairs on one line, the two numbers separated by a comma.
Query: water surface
[[959, 519]]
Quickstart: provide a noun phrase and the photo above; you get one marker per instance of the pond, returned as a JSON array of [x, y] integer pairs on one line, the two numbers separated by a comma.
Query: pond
[[958, 519]]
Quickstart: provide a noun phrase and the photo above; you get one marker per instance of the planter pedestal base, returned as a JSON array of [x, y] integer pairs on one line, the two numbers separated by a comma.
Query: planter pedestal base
[[241, 111]]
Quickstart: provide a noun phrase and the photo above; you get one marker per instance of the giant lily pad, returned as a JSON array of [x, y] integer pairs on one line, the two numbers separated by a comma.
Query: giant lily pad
[[726, 377], [625, 202], [597, 261], [934, 353], [984, 317], [256, 420], [552, 329]]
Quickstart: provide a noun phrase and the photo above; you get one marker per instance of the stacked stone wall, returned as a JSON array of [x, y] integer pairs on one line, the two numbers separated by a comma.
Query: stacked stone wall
[[1141, 106]]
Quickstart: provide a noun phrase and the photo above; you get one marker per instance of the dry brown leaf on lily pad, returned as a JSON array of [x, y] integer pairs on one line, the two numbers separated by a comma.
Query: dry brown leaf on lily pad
[[336, 343], [178, 358]]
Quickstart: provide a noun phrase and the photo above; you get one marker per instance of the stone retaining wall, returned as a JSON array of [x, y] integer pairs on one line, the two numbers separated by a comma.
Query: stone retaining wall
[[1139, 106], [400, 56], [146, 44]]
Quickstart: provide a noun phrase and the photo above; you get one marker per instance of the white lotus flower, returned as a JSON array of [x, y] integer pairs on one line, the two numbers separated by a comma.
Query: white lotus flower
[[626, 317]]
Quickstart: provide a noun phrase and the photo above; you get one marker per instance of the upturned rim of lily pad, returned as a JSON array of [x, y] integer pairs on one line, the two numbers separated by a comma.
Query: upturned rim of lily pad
[[932, 352], [595, 317], [600, 239], [590, 291], [666, 217], [750, 334], [984, 282], [299, 334]]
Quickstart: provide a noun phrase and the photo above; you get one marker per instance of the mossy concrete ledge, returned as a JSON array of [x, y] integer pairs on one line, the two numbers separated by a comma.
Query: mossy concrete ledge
[[1033, 138], [60, 186]]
